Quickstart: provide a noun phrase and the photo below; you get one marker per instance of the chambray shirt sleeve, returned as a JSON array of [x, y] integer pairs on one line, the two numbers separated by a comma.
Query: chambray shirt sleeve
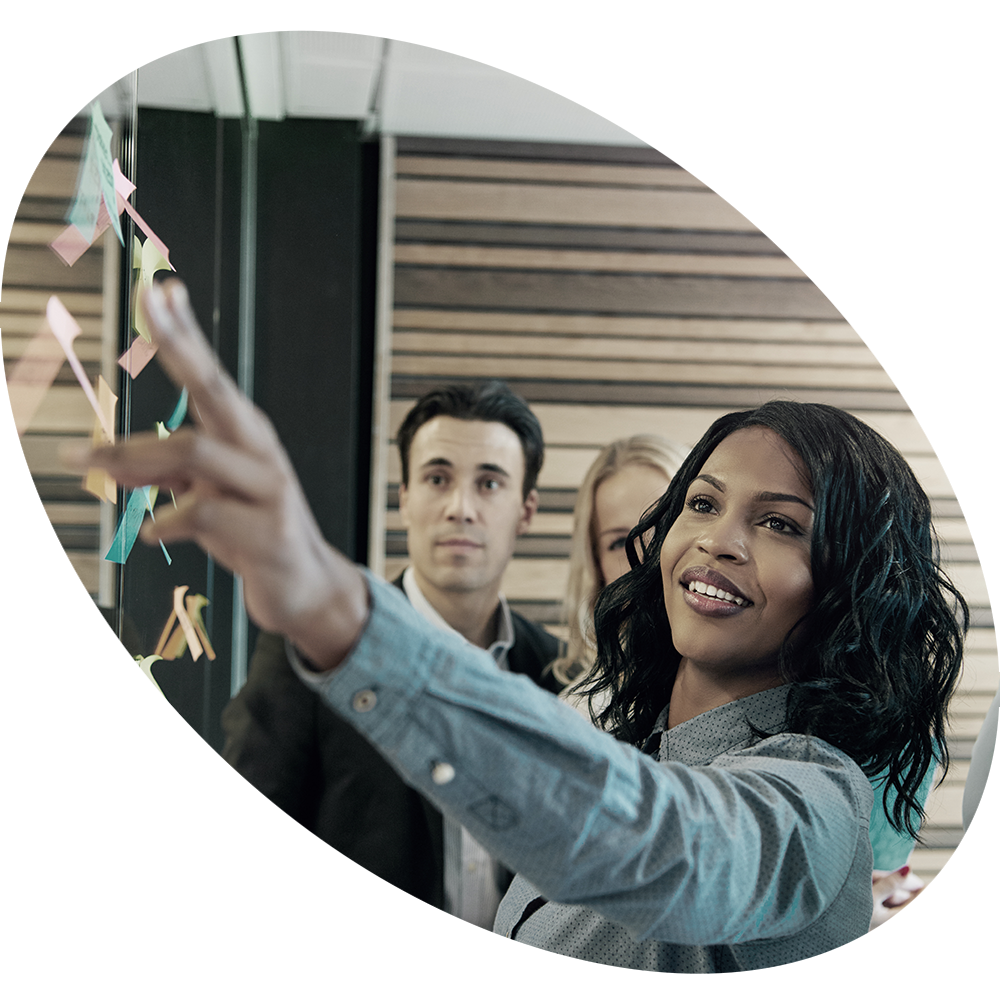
[[755, 848]]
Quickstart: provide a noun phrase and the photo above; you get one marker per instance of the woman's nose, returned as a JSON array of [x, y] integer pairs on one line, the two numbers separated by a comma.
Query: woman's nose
[[725, 538]]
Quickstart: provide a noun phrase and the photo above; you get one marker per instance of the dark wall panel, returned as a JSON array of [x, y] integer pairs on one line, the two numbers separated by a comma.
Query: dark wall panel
[[315, 273]]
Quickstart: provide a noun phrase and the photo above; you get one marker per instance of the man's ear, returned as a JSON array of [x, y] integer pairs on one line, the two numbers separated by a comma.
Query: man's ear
[[404, 498], [528, 509]]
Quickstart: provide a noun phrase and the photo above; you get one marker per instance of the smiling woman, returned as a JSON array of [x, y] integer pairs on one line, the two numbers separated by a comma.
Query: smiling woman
[[819, 537], [725, 828]]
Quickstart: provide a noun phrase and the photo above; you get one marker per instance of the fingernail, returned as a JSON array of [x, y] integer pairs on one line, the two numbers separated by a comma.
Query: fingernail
[[75, 455], [904, 871]]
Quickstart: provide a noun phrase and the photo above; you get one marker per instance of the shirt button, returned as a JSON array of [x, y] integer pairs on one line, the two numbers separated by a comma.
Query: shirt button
[[364, 701], [442, 773]]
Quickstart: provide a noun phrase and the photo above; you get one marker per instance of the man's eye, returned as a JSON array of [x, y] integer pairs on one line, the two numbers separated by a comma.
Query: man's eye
[[491, 484]]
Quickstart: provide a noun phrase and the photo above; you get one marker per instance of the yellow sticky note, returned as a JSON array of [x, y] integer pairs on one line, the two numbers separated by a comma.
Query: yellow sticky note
[[97, 481]]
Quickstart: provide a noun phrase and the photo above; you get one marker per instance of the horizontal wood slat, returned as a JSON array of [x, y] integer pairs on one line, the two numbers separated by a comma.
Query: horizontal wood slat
[[777, 331], [551, 172], [636, 294], [761, 375], [689, 241], [33, 300], [569, 204], [584, 424], [466, 255], [40, 268], [646, 349]]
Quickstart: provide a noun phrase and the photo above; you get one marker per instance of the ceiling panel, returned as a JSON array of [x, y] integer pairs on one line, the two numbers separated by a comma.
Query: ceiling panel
[[398, 87]]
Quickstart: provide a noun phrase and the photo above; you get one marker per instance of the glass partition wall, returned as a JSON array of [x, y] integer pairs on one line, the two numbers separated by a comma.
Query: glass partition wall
[[243, 211]]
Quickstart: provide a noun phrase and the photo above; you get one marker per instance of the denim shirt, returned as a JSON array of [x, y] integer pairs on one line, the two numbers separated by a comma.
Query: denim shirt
[[729, 852]]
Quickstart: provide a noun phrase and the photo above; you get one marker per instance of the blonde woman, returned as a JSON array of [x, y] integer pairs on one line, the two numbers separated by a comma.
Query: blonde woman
[[626, 478]]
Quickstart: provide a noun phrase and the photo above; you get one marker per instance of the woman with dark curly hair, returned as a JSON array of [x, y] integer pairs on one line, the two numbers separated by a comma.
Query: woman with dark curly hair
[[787, 631], [875, 656]]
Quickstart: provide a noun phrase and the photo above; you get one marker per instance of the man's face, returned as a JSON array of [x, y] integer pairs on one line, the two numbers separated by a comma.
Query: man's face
[[463, 507]]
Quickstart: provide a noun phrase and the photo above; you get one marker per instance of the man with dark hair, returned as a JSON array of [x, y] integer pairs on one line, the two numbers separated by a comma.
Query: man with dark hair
[[470, 461]]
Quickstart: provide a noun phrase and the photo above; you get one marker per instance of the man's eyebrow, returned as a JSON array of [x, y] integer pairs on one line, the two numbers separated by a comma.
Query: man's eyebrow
[[765, 496], [482, 467], [491, 467]]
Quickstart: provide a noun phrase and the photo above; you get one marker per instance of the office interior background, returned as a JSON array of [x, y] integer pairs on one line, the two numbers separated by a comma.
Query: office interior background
[[358, 219]]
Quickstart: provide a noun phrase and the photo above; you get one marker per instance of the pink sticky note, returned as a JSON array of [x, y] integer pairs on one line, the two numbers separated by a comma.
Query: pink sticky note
[[123, 186], [32, 376], [123, 191], [137, 356], [71, 243], [144, 226], [182, 616], [66, 330]]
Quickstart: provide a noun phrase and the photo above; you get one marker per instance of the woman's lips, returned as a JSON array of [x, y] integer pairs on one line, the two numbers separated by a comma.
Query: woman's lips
[[708, 592]]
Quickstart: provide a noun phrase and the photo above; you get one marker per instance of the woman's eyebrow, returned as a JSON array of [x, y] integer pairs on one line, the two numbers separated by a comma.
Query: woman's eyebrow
[[764, 496], [768, 497]]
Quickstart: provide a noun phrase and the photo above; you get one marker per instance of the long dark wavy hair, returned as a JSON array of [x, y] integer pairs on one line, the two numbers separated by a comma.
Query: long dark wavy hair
[[885, 634]]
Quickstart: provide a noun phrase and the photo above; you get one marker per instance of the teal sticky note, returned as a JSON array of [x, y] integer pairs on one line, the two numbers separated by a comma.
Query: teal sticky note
[[180, 411], [101, 135], [128, 526], [87, 201], [149, 506]]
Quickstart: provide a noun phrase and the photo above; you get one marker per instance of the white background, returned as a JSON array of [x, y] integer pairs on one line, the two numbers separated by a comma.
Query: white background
[[858, 136]]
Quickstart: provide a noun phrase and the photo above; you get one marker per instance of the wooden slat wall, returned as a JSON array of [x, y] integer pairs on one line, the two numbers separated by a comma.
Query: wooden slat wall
[[618, 294], [32, 272]]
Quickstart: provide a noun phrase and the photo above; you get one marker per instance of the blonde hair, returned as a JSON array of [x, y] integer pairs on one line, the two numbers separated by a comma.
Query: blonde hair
[[585, 580]]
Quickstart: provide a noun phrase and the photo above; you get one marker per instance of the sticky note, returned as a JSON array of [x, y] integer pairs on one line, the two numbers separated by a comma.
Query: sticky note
[[123, 189], [151, 493], [180, 412], [97, 481], [96, 182], [101, 137], [151, 260], [146, 664], [33, 374], [193, 604], [139, 354], [66, 330], [128, 527], [185, 619]]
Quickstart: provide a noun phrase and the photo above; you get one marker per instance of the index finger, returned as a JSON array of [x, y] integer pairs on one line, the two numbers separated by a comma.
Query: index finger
[[187, 358]]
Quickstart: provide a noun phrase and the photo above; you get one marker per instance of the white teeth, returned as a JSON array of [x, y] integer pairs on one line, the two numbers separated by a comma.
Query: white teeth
[[720, 595]]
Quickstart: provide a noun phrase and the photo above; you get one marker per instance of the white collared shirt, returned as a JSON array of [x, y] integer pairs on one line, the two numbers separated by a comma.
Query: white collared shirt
[[470, 883]]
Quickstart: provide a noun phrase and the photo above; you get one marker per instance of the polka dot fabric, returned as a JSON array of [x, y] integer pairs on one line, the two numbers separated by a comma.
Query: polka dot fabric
[[778, 781]]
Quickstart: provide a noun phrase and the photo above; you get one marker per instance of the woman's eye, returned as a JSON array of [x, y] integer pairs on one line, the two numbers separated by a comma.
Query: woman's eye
[[618, 543], [779, 524], [701, 505]]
